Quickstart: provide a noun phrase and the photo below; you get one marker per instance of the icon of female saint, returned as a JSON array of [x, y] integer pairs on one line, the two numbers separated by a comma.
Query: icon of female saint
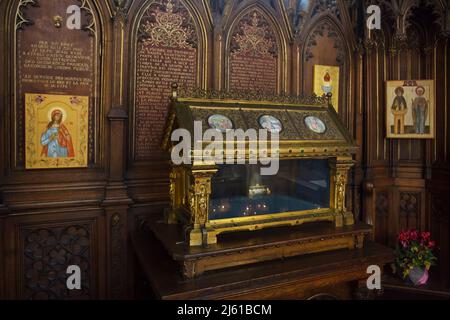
[[56, 139]]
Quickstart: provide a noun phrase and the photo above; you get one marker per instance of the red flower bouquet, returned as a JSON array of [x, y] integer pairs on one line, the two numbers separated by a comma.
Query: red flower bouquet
[[415, 255]]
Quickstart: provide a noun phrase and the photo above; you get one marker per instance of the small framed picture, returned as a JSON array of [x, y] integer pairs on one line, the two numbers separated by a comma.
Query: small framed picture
[[56, 131], [410, 109], [326, 80]]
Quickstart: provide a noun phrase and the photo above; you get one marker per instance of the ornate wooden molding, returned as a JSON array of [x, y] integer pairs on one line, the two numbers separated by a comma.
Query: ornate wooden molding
[[410, 210], [198, 93], [446, 25], [329, 6], [401, 10], [21, 19], [118, 256], [90, 25], [325, 29], [442, 10], [221, 11], [382, 204], [121, 8]]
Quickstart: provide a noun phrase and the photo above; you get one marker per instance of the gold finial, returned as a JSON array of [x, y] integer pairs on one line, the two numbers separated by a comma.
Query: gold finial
[[57, 21], [329, 96], [174, 90], [255, 19], [169, 6]]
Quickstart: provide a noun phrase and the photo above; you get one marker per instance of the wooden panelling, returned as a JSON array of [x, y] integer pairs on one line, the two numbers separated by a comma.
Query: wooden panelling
[[382, 216], [52, 218], [402, 171], [410, 208], [2, 259], [40, 246], [438, 222]]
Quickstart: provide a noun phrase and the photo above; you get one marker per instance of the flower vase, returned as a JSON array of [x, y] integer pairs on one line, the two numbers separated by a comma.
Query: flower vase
[[418, 276]]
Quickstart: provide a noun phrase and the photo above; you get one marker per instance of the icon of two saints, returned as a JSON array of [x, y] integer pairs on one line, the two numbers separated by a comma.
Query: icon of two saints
[[419, 111]]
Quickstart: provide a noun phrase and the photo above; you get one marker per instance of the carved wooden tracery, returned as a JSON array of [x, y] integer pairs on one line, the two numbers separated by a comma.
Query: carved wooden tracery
[[47, 254]]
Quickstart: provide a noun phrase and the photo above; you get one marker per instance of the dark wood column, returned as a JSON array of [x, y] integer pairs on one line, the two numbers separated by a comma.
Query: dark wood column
[[117, 201], [3, 153]]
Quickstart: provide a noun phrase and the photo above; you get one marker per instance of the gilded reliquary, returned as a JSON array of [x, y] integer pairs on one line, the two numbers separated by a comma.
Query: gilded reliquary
[[227, 190]]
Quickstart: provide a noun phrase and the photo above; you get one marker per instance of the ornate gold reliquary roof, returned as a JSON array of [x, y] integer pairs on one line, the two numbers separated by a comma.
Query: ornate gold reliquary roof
[[307, 126]]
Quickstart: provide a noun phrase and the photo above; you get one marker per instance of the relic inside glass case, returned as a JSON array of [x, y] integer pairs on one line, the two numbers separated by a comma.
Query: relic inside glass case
[[241, 191]]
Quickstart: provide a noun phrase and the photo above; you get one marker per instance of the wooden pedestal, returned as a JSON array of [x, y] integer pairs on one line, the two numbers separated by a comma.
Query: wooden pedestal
[[236, 249], [328, 274]]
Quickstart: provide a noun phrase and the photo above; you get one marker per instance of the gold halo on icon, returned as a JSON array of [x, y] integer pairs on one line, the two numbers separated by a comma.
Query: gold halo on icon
[[64, 113]]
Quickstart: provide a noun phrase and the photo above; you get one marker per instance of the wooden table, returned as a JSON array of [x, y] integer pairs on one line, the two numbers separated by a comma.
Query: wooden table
[[334, 274]]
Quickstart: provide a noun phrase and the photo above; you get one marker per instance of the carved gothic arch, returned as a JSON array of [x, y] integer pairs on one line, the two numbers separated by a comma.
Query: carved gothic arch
[[203, 31], [17, 20], [344, 58], [314, 28], [281, 37]]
